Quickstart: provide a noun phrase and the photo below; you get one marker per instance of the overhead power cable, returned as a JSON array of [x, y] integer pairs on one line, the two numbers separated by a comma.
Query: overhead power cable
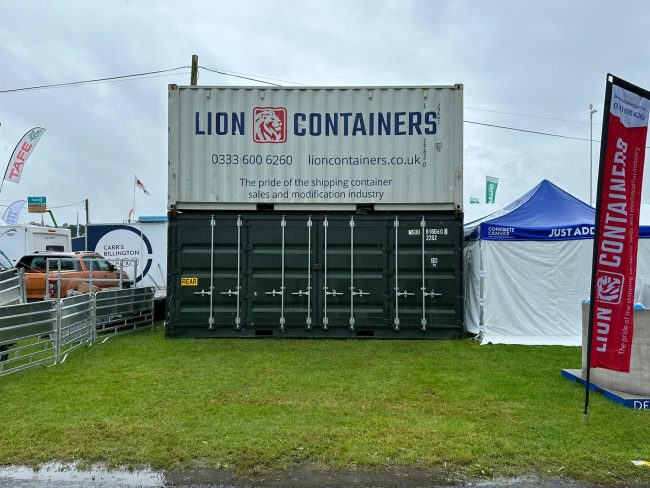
[[247, 76], [529, 131], [95, 80], [250, 78], [76, 204], [530, 115], [536, 132]]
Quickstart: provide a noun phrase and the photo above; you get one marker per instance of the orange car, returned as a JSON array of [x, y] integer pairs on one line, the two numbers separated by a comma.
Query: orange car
[[75, 273]]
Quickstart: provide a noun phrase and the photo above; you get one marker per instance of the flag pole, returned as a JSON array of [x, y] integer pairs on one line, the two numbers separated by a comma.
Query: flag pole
[[599, 190], [135, 178]]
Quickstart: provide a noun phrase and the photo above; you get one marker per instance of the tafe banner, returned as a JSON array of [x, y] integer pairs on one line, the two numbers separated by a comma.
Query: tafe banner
[[21, 153], [617, 224]]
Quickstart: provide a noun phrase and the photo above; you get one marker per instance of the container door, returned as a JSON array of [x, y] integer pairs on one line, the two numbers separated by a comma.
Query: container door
[[425, 273], [207, 268], [279, 290], [354, 293]]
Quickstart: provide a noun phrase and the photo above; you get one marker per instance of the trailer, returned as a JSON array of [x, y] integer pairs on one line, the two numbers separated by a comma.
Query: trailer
[[18, 240]]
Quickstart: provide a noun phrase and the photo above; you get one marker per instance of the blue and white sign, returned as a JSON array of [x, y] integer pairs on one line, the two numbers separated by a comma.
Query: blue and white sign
[[142, 245]]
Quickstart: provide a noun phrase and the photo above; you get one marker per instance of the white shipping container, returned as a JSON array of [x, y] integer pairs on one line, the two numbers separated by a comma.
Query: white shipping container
[[394, 147]]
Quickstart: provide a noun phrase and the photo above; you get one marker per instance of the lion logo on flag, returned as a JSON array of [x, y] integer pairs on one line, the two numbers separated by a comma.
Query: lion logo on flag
[[270, 125], [609, 287]]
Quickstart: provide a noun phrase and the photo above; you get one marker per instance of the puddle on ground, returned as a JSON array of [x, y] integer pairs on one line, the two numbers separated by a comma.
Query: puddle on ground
[[62, 474], [66, 475]]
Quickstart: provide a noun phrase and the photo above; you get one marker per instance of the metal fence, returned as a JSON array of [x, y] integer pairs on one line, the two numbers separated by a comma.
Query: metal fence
[[12, 287], [122, 311], [76, 324], [27, 336], [45, 333]]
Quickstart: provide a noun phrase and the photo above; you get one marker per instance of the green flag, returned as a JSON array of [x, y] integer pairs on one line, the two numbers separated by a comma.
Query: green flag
[[491, 189]]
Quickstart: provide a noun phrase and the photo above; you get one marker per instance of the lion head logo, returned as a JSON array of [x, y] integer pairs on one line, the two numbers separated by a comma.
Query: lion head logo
[[609, 287], [269, 124]]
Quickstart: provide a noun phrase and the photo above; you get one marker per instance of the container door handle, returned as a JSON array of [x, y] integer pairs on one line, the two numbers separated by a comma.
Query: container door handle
[[203, 293], [274, 292], [404, 294], [359, 293], [333, 293], [230, 293], [300, 293], [431, 294]]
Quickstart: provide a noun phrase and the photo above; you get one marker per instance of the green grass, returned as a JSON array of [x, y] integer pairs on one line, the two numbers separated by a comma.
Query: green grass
[[256, 405]]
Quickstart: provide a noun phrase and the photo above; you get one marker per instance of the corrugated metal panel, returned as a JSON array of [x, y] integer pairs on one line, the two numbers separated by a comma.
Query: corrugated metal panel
[[315, 275], [371, 145]]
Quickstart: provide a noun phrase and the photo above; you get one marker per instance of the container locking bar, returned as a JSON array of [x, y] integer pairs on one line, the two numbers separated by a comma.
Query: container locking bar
[[423, 321], [352, 292], [238, 317], [283, 224], [209, 293], [325, 320], [308, 292], [397, 293]]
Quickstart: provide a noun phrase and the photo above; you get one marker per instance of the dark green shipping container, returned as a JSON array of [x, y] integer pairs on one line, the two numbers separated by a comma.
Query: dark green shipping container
[[336, 274]]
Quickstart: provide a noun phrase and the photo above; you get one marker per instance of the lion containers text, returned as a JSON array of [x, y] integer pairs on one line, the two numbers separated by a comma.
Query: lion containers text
[[281, 145]]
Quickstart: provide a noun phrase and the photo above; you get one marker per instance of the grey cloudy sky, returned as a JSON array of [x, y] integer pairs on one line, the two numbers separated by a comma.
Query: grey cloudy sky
[[546, 58]]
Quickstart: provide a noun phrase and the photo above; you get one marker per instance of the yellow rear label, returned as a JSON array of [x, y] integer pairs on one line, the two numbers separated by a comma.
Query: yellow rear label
[[189, 282]]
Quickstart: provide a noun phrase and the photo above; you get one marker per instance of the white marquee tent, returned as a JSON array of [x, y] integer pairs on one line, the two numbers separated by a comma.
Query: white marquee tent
[[528, 268]]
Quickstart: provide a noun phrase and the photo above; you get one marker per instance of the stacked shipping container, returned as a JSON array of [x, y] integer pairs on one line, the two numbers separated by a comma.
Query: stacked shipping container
[[315, 212]]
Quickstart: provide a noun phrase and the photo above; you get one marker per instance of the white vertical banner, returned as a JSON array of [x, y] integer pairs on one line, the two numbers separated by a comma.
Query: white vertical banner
[[13, 212]]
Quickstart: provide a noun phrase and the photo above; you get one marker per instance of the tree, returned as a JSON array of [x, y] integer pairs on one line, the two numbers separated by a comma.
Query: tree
[[73, 229]]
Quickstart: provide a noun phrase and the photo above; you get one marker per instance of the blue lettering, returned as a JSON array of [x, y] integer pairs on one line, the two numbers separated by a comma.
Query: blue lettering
[[371, 126], [197, 123], [383, 121], [399, 123], [314, 124], [359, 125], [331, 124], [430, 120], [209, 123], [238, 124], [415, 119], [297, 119], [346, 122], [221, 119]]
